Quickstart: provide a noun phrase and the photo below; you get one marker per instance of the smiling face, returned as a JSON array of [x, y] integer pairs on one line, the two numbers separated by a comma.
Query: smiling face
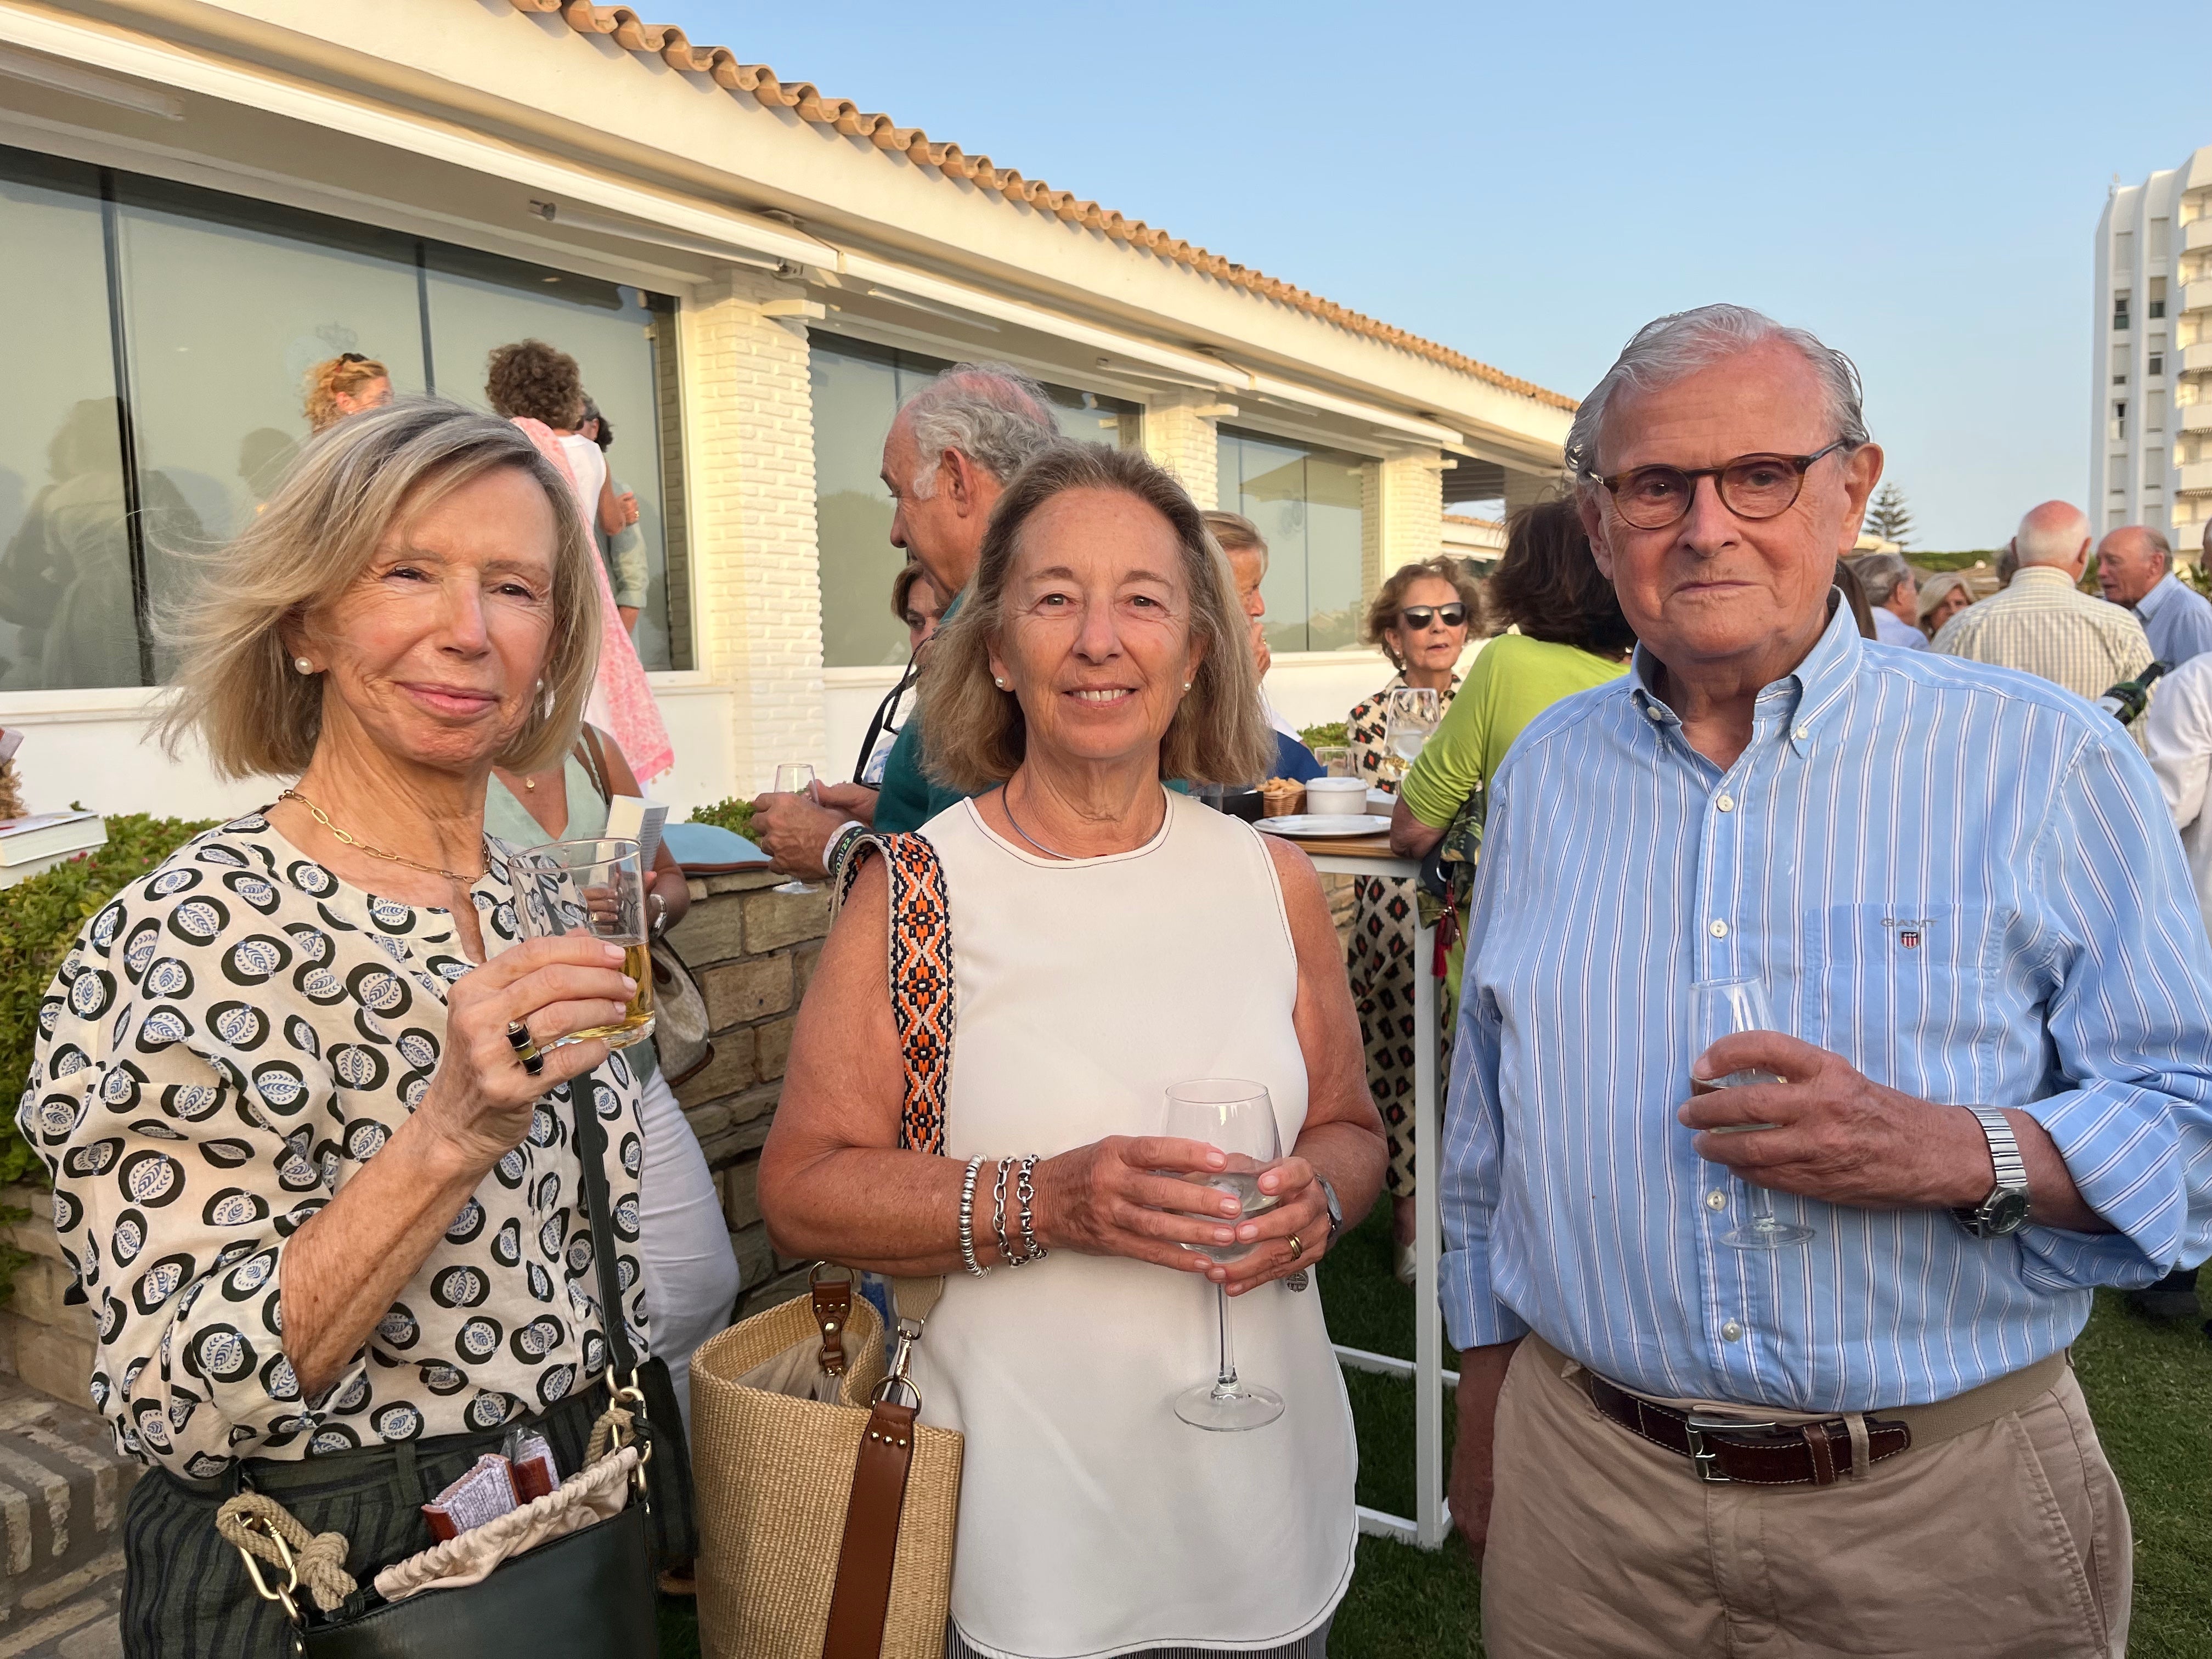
[[1435, 649], [1714, 592], [433, 653], [1095, 637]]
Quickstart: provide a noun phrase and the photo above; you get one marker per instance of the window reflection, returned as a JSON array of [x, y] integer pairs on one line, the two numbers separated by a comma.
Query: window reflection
[[1306, 501]]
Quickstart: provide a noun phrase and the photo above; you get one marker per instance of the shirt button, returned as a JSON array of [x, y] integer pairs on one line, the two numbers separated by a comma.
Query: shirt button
[[1802, 732], [1651, 713], [1716, 1200], [1726, 803], [1731, 1332], [1719, 928]]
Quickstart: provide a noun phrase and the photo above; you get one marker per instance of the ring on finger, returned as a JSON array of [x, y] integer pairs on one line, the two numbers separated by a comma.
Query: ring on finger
[[533, 1062], [518, 1036], [1297, 1248]]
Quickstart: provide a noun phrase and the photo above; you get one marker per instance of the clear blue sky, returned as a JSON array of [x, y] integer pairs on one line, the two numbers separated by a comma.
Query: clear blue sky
[[1918, 184]]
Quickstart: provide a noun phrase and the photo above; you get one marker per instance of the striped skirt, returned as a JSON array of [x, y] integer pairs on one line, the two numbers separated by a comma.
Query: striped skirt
[[186, 1592]]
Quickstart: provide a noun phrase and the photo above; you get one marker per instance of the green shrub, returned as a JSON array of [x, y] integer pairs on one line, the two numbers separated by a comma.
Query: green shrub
[[1315, 736], [734, 815], [39, 921]]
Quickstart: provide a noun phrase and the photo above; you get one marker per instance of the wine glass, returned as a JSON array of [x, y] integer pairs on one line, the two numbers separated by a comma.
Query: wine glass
[[1719, 1008], [795, 778], [1411, 715], [1237, 1118]]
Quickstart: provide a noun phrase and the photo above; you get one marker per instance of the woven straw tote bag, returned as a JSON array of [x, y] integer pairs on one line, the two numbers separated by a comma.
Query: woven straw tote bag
[[826, 1511]]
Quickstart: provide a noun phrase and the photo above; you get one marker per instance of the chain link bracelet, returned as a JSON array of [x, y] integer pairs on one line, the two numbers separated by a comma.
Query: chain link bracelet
[[1025, 1195], [968, 1219], [999, 1210]]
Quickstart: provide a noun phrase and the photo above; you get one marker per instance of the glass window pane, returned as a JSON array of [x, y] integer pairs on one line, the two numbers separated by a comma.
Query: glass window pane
[[1305, 501], [227, 305], [479, 301], [854, 399], [66, 615]]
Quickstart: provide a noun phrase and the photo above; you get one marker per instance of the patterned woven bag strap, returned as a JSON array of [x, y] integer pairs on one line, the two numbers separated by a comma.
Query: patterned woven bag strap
[[923, 1006]]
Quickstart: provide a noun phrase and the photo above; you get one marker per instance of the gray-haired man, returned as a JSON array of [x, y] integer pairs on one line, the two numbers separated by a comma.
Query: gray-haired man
[[1894, 591], [952, 448], [2135, 568]]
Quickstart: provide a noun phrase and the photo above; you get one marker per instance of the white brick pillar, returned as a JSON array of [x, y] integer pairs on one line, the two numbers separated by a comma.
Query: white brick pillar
[[756, 567], [1179, 434], [1411, 487]]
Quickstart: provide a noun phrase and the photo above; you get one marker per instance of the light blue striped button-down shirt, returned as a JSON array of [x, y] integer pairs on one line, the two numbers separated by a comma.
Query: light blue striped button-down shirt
[[1961, 879]]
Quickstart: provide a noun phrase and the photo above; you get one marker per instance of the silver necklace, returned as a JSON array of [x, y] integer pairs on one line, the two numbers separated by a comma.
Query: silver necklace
[[1006, 801]]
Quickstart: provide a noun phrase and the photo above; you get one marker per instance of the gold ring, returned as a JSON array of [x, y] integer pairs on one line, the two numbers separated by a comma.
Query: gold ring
[[1296, 1249]]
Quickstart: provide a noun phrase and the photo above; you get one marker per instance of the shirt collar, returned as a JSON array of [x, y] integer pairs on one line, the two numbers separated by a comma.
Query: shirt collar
[[2161, 592], [2035, 575], [1798, 700]]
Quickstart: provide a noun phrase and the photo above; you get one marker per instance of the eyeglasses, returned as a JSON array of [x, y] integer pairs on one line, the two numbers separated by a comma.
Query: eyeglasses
[[1751, 486], [1419, 616]]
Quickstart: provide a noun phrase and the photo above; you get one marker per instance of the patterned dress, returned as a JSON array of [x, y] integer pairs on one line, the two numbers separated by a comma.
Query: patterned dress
[[231, 1039], [1380, 959]]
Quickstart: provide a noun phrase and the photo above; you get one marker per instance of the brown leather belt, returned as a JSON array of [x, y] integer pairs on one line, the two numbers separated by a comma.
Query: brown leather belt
[[1745, 1451], [1737, 1448]]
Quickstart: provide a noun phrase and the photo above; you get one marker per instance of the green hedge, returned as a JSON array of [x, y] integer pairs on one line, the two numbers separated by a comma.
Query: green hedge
[[733, 815], [1316, 737], [38, 919]]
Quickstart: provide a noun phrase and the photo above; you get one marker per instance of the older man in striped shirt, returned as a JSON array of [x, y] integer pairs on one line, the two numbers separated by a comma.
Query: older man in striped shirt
[[1991, 1090]]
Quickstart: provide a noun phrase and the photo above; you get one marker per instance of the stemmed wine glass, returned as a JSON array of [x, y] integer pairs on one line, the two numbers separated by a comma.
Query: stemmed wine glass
[[1238, 1118], [1719, 1008], [795, 778], [1413, 714]]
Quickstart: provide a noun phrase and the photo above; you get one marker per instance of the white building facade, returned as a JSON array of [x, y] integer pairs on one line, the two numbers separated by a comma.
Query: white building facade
[[2151, 366], [201, 200]]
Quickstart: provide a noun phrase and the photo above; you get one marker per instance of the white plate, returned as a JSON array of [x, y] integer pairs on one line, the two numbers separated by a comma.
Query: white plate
[[1298, 824]]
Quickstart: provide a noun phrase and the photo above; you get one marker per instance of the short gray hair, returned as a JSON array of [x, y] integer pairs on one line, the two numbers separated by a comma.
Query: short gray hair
[[1881, 575], [1672, 347], [992, 413], [2156, 537]]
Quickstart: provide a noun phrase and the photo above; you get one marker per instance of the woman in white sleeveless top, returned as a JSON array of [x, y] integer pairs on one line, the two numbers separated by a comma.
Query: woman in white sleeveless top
[[1110, 937]]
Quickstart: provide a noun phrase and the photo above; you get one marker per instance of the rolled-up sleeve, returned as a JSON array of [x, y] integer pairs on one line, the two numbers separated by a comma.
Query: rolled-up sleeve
[[180, 1168], [1471, 1170], [2130, 1020]]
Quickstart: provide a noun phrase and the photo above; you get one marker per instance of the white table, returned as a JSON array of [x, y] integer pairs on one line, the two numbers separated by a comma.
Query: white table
[[1371, 856]]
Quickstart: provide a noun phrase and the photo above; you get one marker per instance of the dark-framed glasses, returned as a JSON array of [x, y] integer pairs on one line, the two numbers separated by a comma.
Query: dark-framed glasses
[[1416, 617], [1751, 486]]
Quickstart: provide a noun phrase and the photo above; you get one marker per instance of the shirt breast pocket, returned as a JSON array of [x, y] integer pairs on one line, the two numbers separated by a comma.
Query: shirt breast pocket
[[1906, 993]]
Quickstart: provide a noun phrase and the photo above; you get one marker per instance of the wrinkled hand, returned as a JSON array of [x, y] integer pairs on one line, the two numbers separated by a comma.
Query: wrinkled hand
[[1838, 1136], [854, 800], [626, 505], [1262, 657], [1125, 1195], [1303, 1211], [480, 1098], [792, 830]]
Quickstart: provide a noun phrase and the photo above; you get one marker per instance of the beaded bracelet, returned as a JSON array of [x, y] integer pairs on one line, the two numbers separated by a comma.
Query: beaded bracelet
[[1025, 1194], [968, 1220], [999, 1212]]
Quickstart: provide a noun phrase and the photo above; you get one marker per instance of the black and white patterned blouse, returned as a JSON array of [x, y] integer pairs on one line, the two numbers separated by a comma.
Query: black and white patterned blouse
[[230, 1040]]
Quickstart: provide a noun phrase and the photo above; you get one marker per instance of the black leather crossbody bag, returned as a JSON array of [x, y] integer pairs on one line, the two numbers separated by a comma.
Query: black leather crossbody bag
[[586, 1595]]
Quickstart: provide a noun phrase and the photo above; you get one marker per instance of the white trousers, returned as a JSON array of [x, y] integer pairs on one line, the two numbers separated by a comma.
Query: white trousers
[[690, 1271]]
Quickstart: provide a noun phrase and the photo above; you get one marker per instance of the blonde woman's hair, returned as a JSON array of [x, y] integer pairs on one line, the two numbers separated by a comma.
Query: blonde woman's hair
[[348, 373], [1235, 533], [976, 734], [1390, 599], [236, 689]]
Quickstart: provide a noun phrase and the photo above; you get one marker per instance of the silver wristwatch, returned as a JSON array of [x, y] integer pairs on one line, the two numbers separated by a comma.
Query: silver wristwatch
[[2005, 1210], [1335, 1209]]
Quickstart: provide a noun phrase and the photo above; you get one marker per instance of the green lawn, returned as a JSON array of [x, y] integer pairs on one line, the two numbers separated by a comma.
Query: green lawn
[[2149, 1386]]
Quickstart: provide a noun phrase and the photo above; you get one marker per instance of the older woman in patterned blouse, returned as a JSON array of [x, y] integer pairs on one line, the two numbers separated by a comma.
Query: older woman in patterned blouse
[[327, 1216]]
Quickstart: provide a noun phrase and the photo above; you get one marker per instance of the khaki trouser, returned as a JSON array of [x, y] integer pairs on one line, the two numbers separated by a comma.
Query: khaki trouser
[[2008, 1541]]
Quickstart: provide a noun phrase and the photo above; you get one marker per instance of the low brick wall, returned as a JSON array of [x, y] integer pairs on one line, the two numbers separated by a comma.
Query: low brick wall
[[752, 951]]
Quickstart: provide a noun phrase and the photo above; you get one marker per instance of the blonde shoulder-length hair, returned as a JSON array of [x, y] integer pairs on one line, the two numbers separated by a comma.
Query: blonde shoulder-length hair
[[976, 735], [235, 686]]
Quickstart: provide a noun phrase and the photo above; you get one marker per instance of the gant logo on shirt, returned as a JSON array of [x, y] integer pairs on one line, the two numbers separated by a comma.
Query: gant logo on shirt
[[1908, 929]]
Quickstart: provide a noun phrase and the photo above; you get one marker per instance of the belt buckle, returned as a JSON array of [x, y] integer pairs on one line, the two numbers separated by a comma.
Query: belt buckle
[[1703, 1459]]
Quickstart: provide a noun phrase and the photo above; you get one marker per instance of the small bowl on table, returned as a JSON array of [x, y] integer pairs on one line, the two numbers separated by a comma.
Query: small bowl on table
[[1336, 798], [1282, 797]]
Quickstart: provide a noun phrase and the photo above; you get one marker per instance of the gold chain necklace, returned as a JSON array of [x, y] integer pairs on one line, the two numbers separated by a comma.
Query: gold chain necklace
[[324, 818]]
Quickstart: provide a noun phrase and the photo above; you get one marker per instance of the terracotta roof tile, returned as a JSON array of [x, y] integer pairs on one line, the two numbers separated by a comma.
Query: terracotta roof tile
[[669, 43]]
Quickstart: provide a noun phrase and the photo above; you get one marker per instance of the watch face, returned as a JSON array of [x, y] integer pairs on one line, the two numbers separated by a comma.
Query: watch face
[[2005, 1214]]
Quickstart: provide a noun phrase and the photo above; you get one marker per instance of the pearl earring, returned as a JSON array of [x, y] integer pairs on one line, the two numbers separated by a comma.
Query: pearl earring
[[1000, 684], [303, 664], [1186, 685]]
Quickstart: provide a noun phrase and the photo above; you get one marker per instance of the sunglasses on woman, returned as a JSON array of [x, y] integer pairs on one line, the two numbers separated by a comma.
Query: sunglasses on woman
[[1419, 616]]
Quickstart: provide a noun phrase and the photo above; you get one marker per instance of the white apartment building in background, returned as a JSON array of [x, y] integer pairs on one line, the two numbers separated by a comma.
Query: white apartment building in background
[[2150, 459]]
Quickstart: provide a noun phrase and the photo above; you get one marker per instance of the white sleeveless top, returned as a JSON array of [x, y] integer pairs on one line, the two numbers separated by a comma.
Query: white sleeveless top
[[1093, 1522]]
